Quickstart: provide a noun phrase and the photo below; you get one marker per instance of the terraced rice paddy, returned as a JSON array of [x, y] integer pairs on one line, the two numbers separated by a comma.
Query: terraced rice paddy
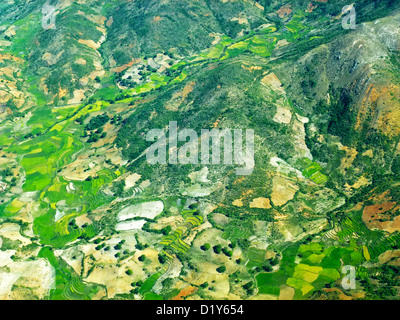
[[312, 171]]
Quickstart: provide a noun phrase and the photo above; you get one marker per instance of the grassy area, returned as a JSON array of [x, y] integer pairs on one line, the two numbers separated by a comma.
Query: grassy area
[[69, 286]]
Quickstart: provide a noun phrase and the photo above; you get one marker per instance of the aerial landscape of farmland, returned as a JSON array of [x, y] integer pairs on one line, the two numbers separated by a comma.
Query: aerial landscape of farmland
[[110, 189]]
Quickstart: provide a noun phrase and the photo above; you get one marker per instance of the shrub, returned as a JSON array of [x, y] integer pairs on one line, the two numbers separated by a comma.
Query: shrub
[[129, 272], [142, 257], [217, 249], [221, 269]]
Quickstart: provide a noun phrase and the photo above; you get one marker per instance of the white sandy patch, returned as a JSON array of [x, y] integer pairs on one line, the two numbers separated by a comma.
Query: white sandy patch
[[240, 20], [12, 232], [10, 32], [199, 176], [198, 190], [79, 95], [131, 180], [4, 43], [84, 81], [299, 138], [282, 43], [36, 275], [5, 257], [115, 278], [51, 59], [261, 203], [80, 61], [90, 43], [59, 214], [217, 38], [81, 220], [273, 82], [148, 210], [238, 203], [73, 256], [209, 274], [173, 271], [173, 221], [283, 115], [302, 119], [283, 190], [283, 167], [286, 293]]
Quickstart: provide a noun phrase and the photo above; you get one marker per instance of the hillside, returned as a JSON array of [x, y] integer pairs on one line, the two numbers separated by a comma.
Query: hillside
[[84, 214]]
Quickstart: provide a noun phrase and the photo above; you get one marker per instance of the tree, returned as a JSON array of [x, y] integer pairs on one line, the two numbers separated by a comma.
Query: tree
[[243, 243], [129, 272], [205, 247], [142, 257], [248, 285], [227, 252], [274, 261], [217, 249], [162, 258], [93, 138], [221, 269], [6, 172], [13, 182], [97, 122], [267, 267], [166, 230]]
